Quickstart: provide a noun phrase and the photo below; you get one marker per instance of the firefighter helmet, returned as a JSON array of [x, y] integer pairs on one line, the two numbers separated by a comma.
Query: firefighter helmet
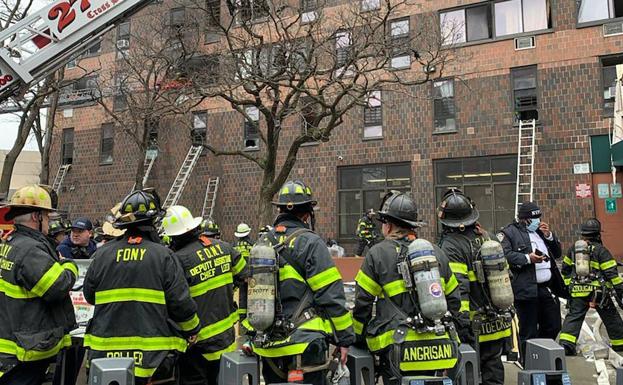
[[590, 227], [210, 228], [457, 210], [139, 207], [294, 193], [56, 227], [178, 221], [109, 230], [400, 209], [30, 198], [242, 230]]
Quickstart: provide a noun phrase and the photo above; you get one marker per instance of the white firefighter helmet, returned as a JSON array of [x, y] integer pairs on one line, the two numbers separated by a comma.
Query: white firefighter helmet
[[178, 221]]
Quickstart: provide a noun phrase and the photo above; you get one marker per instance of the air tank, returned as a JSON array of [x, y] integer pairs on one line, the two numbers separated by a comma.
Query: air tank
[[582, 258], [497, 276], [425, 269], [262, 286]]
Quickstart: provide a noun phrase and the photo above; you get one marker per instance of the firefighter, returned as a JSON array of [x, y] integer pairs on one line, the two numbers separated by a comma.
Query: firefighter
[[243, 242], [138, 287], [311, 296], [58, 230], [366, 232], [461, 240], [379, 280], [211, 229], [590, 286], [36, 314], [212, 268]]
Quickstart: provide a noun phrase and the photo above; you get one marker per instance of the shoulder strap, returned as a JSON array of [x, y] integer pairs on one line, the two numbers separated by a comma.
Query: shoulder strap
[[282, 248]]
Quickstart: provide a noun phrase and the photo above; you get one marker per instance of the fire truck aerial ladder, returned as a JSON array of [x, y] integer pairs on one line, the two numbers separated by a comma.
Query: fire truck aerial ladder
[[44, 41]]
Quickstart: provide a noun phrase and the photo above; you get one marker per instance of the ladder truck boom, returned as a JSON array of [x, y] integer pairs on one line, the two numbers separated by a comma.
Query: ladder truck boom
[[44, 41]]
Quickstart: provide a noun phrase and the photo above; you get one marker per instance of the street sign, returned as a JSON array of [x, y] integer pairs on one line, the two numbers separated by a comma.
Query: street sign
[[615, 190], [611, 206], [603, 190], [583, 190], [581, 168]]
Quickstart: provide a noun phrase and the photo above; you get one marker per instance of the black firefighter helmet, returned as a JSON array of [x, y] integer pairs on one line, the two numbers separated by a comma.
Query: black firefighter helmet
[[139, 207], [400, 209], [294, 193], [457, 210], [591, 226]]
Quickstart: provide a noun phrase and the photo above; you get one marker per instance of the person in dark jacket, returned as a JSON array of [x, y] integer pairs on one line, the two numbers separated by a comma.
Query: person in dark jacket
[[366, 232], [379, 281], [461, 240], [531, 250], [36, 314], [212, 267], [57, 231], [602, 277], [243, 243], [79, 244], [143, 307], [311, 293]]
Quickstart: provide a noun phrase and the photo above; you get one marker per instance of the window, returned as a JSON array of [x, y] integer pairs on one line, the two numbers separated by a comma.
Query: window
[[373, 116], [517, 16], [309, 5], [609, 78], [122, 41], [342, 48], [80, 91], [94, 49], [177, 17], [252, 9], [525, 93], [107, 143], [213, 21], [205, 69], [120, 100], [153, 125], [370, 5], [489, 181], [67, 146], [200, 128], [400, 56], [251, 129], [469, 24], [593, 10], [444, 109], [361, 188]]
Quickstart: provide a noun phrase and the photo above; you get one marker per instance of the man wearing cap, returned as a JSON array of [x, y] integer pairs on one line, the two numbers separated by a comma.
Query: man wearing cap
[[531, 249], [601, 271], [79, 244], [243, 241], [36, 314], [366, 232]]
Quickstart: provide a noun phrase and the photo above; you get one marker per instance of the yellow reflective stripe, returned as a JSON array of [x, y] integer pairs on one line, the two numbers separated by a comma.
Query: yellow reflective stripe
[[288, 350], [395, 288], [211, 284], [608, 264], [567, 261], [568, 337], [324, 279], [357, 327], [11, 348], [616, 342], [495, 336], [218, 327], [317, 324], [71, 267], [239, 266], [144, 372], [134, 343], [616, 280], [567, 281], [242, 311], [381, 341], [428, 365], [48, 280], [130, 294], [368, 284], [472, 276], [217, 355], [458, 268], [452, 284], [190, 324], [342, 322], [15, 291], [464, 305], [595, 265], [289, 272], [1, 374], [245, 323]]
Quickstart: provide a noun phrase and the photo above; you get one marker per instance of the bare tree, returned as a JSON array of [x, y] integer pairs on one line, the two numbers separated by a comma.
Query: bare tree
[[282, 66]]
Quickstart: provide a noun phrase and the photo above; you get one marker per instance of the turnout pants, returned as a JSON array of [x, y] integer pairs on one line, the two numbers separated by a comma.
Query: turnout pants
[[539, 317], [196, 370], [26, 373], [491, 366], [315, 354], [577, 311]]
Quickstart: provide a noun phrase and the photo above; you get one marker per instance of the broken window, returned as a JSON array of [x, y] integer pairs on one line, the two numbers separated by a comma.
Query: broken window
[[200, 128], [67, 146], [373, 116], [525, 93], [444, 109], [251, 128]]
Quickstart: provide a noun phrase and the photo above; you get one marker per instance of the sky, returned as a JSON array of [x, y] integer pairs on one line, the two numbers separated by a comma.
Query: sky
[[8, 132]]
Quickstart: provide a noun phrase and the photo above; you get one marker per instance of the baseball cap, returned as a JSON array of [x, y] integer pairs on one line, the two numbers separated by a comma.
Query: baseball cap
[[529, 210], [82, 223]]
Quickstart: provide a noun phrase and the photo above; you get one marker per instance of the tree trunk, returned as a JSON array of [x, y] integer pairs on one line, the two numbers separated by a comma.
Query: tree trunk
[[265, 208], [44, 177]]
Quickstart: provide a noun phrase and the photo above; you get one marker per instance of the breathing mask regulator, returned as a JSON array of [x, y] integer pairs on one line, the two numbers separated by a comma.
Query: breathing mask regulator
[[491, 269]]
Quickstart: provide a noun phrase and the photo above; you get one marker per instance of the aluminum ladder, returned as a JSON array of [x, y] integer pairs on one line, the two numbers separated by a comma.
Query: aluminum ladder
[[210, 198], [148, 164], [182, 176], [525, 162], [60, 176]]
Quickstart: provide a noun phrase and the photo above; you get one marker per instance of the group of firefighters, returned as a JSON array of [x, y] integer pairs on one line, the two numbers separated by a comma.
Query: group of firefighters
[[176, 306]]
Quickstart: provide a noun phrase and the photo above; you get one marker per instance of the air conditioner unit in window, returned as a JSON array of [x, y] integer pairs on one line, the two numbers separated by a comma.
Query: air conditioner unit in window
[[526, 42], [613, 29], [123, 43], [308, 17]]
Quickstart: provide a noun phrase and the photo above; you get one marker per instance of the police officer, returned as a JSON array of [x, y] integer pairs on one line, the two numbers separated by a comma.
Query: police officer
[[379, 280], [311, 294], [366, 232], [531, 249], [603, 277], [461, 241], [243, 241], [137, 287], [212, 267], [36, 314]]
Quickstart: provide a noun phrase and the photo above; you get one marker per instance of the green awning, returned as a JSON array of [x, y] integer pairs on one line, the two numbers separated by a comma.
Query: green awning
[[617, 154]]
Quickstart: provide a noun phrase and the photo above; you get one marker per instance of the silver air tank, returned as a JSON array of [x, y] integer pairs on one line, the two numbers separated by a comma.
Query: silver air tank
[[262, 286], [496, 271], [425, 270], [582, 259]]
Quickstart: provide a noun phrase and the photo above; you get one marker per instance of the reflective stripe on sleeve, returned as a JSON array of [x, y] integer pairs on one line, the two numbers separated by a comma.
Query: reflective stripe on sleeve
[[616, 280], [144, 372], [190, 324], [130, 294], [464, 305], [71, 267], [458, 268], [568, 337], [608, 264], [451, 285], [324, 279], [289, 272], [567, 261], [395, 287], [217, 355], [368, 284], [242, 263], [357, 327], [48, 280], [342, 322]]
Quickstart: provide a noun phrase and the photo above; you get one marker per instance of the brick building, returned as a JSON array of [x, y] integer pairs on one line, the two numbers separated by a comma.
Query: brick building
[[549, 60]]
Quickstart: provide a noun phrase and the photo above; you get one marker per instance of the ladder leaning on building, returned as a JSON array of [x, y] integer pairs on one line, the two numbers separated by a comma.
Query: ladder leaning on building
[[525, 162]]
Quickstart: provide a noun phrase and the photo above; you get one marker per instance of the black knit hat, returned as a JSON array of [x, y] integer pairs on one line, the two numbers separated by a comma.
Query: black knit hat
[[529, 210]]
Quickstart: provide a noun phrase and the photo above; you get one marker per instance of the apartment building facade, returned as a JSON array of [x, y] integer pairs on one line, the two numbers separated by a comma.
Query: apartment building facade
[[553, 61]]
